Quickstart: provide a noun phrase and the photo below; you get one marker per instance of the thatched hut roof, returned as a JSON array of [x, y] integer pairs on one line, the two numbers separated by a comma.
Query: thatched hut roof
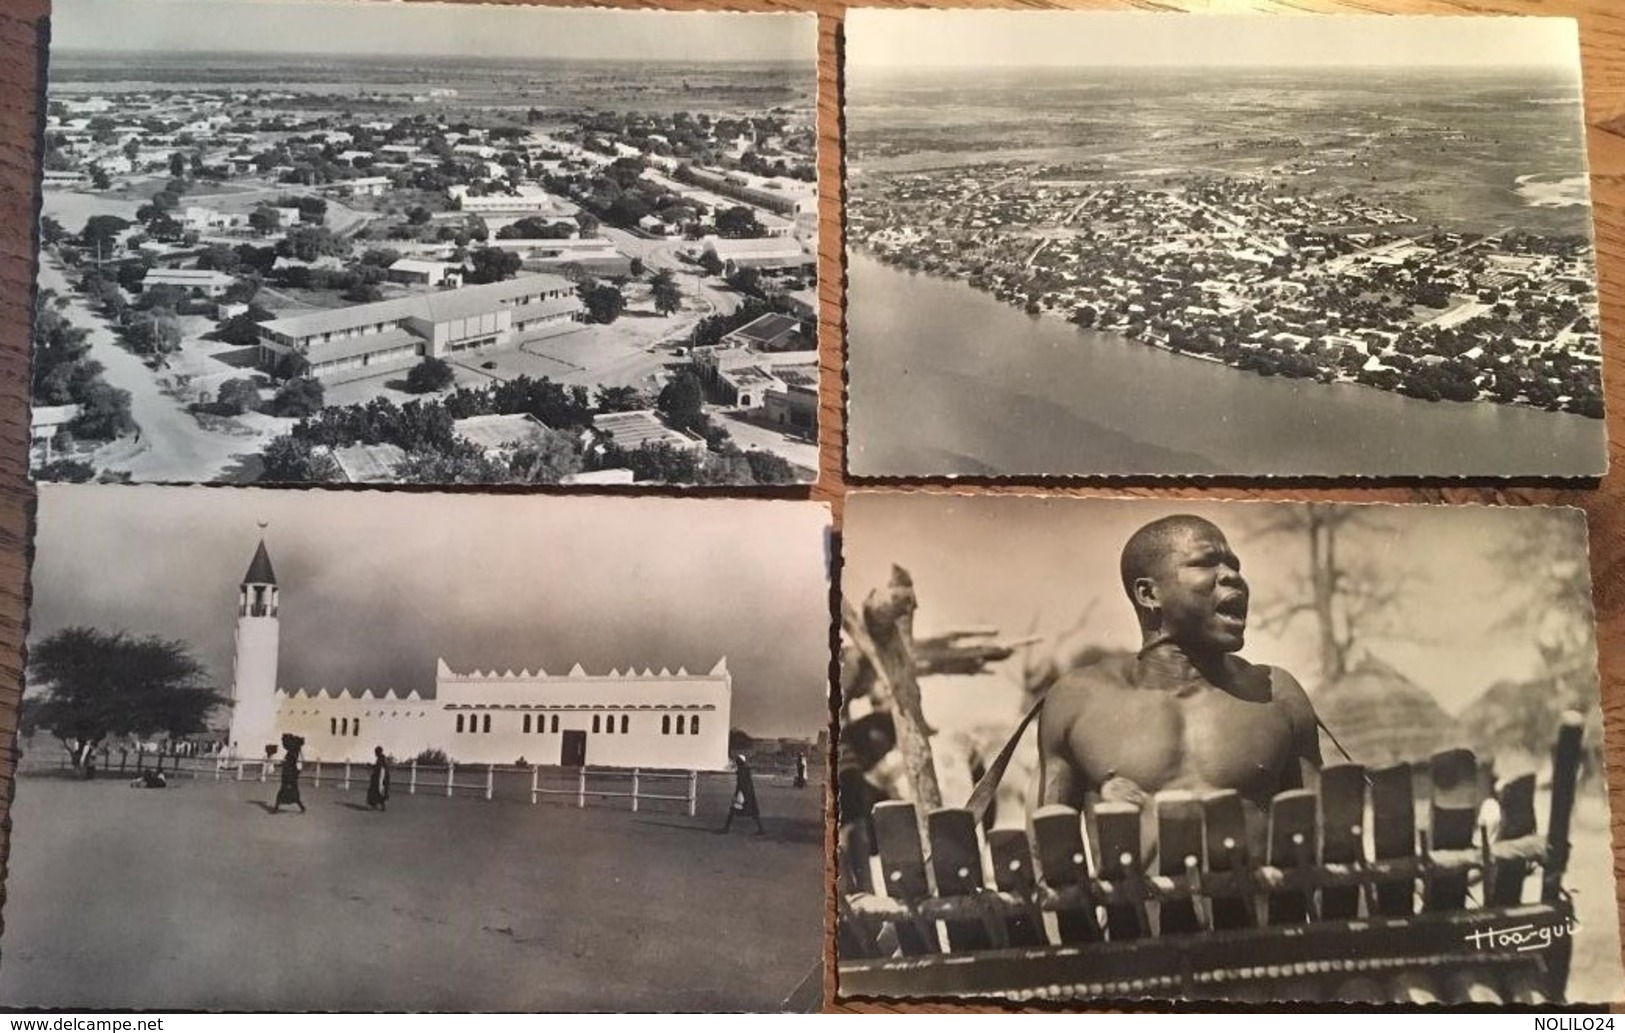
[[1382, 718]]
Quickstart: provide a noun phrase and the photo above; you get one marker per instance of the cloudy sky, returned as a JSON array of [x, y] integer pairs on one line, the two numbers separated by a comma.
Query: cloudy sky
[[1031, 565], [386, 28], [1014, 39], [375, 586]]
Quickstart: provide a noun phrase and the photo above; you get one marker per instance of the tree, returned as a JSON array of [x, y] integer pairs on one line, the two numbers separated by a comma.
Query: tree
[[104, 413], [166, 331], [768, 468], [738, 221], [547, 460], [534, 228], [51, 231], [237, 396], [177, 164], [492, 265], [710, 262], [668, 298], [431, 374], [95, 684], [1352, 600], [588, 223], [68, 471], [300, 396], [101, 231], [621, 399], [682, 400], [746, 280], [265, 220], [243, 329], [290, 460], [308, 243], [604, 301], [462, 463], [417, 215]]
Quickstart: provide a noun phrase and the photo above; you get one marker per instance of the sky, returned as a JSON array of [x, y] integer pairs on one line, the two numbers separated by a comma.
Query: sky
[[382, 27], [1012, 39], [1030, 565], [375, 586]]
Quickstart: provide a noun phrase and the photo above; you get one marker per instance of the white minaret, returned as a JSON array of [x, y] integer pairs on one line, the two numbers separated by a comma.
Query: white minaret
[[253, 682]]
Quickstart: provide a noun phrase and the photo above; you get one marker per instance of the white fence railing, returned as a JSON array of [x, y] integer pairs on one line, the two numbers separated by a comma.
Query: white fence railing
[[562, 782]]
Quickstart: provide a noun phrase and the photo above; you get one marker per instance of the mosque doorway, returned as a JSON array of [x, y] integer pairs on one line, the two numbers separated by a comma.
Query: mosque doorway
[[574, 750]]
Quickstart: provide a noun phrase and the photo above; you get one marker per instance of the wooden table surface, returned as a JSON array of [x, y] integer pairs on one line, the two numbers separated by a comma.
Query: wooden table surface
[[1602, 42]]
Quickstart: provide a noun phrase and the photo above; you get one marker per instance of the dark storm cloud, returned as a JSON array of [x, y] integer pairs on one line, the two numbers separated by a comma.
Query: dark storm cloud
[[376, 586]]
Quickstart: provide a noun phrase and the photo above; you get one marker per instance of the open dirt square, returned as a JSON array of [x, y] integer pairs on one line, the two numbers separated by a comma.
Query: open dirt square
[[196, 897]]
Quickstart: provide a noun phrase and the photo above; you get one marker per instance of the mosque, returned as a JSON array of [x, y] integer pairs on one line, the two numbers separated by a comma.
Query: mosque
[[619, 719]]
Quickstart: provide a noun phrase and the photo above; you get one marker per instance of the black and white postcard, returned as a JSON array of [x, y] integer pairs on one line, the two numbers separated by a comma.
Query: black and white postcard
[[337, 751], [427, 244], [1108, 748], [1087, 243]]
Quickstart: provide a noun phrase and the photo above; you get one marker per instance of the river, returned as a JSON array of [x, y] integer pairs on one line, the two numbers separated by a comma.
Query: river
[[945, 380]]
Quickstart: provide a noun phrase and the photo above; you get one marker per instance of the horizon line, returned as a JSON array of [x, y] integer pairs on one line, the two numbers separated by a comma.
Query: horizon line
[[459, 55]]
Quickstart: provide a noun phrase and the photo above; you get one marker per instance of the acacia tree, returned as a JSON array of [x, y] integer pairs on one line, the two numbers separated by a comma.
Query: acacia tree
[[1351, 598], [90, 685]]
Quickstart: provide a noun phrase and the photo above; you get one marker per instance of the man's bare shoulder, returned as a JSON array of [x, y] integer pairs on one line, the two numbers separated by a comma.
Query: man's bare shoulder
[[1108, 672], [1284, 689]]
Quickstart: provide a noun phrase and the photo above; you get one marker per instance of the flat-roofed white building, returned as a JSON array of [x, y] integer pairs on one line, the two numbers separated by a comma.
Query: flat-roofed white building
[[208, 283], [425, 273], [388, 334], [646, 719]]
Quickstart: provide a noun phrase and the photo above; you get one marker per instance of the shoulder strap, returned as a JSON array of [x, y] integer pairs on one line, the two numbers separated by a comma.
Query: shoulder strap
[[981, 798]]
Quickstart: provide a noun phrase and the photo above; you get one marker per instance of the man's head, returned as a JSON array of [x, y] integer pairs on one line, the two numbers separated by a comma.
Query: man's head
[[1186, 585]]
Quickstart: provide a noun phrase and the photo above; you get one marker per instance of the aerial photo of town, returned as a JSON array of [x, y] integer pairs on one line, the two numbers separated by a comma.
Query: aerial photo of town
[[1420, 229], [586, 255]]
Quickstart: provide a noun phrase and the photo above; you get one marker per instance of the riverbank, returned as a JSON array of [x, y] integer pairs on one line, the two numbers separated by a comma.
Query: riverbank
[[947, 380], [1324, 375]]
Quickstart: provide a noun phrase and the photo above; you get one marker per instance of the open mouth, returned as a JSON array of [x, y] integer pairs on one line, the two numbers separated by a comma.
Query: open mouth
[[1233, 608]]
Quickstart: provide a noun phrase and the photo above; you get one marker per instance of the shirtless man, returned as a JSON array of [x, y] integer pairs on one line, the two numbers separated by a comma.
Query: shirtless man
[[1186, 712]]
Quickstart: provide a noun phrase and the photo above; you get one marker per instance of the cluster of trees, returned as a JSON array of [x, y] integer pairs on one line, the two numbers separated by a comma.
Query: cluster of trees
[[87, 685], [533, 228], [64, 374], [424, 431]]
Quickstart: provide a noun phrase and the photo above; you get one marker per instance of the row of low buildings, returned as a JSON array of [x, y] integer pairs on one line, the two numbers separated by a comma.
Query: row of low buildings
[[401, 331]]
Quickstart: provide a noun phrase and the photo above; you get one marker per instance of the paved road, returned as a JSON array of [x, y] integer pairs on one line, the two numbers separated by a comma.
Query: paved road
[[169, 445]]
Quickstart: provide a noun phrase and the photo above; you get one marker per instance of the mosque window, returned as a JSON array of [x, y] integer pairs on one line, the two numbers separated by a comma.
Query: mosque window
[[487, 723], [527, 722], [624, 723], [679, 724], [694, 725], [355, 727], [555, 722], [332, 726], [344, 726], [595, 724], [665, 724], [459, 722]]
